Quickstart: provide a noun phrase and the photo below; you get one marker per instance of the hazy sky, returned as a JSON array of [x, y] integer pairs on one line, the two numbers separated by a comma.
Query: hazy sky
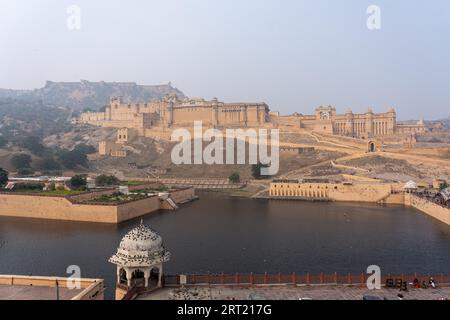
[[294, 55]]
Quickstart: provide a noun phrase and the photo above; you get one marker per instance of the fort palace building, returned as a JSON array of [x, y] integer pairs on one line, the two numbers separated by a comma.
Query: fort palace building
[[170, 112]]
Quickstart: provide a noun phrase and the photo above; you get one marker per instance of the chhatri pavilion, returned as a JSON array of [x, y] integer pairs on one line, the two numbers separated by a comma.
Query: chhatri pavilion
[[140, 258]]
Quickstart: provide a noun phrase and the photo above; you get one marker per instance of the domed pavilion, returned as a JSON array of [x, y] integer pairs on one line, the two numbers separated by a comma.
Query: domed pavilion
[[140, 258]]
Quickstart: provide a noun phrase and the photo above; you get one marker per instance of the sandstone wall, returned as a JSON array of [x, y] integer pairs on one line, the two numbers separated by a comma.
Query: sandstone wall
[[93, 288], [61, 208], [430, 208], [58, 208], [183, 194], [359, 192], [187, 116], [137, 208], [395, 198]]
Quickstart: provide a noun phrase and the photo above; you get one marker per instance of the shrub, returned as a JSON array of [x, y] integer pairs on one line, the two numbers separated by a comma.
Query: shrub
[[78, 182], [32, 143], [256, 170], [48, 163], [3, 142], [25, 172], [76, 157], [104, 180], [234, 177], [28, 186], [20, 161], [3, 177]]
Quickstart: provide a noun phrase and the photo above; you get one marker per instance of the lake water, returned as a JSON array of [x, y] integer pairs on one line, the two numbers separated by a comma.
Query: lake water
[[218, 234]]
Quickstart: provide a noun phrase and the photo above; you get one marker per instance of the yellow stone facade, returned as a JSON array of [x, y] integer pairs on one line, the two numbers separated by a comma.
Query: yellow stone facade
[[347, 191], [172, 112]]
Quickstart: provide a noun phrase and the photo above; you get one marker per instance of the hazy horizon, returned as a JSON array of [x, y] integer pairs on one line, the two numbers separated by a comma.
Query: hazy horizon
[[294, 55]]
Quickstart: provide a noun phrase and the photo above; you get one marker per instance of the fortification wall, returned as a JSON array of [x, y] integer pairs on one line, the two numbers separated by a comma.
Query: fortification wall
[[183, 194], [182, 116], [358, 192], [429, 208], [395, 198], [361, 192], [57, 208], [137, 208], [61, 208]]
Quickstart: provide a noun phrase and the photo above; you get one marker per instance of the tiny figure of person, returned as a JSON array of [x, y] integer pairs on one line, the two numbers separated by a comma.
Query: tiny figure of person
[[432, 283]]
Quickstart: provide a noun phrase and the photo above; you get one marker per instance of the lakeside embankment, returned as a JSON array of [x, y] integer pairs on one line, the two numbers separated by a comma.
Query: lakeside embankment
[[91, 206], [371, 192]]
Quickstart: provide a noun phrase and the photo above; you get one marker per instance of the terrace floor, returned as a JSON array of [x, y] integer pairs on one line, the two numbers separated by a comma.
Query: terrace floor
[[8, 292], [326, 292]]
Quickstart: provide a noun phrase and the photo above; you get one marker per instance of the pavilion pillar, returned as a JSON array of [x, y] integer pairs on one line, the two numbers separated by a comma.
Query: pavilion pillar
[[160, 276], [146, 277], [118, 274], [129, 276]]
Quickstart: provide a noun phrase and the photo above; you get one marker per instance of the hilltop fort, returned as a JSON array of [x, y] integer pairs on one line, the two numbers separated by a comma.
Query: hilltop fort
[[154, 118]]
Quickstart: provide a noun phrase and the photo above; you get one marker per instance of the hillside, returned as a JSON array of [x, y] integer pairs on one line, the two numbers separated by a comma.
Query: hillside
[[86, 94]]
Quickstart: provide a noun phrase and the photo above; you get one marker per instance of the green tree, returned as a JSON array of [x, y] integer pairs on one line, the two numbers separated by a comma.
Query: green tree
[[104, 180], [78, 182], [28, 186], [32, 143], [83, 148], [444, 185], [3, 177], [48, 163], [76, 157], [3, 142], [25, 171], [21, 161], [51, 187], [234, 177], [256, 170]]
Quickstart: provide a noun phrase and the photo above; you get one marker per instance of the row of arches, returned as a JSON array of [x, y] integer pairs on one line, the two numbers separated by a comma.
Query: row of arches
[[139, 278], [306, 193], [359, 128], [340, 128], [380, 127]]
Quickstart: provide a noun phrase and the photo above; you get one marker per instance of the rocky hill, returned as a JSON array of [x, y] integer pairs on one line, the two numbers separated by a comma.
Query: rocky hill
[[92, 95]]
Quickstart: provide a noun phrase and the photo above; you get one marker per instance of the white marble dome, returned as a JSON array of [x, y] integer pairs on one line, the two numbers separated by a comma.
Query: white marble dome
[[141, 238], [142, 246]]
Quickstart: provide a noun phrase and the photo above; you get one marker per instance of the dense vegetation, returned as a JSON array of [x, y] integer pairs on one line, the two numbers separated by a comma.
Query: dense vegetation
[[3, 177], [21, 161], [256, 170], [78, 182], [25, 117], [25, 123], [104, 180], [234, 178]]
